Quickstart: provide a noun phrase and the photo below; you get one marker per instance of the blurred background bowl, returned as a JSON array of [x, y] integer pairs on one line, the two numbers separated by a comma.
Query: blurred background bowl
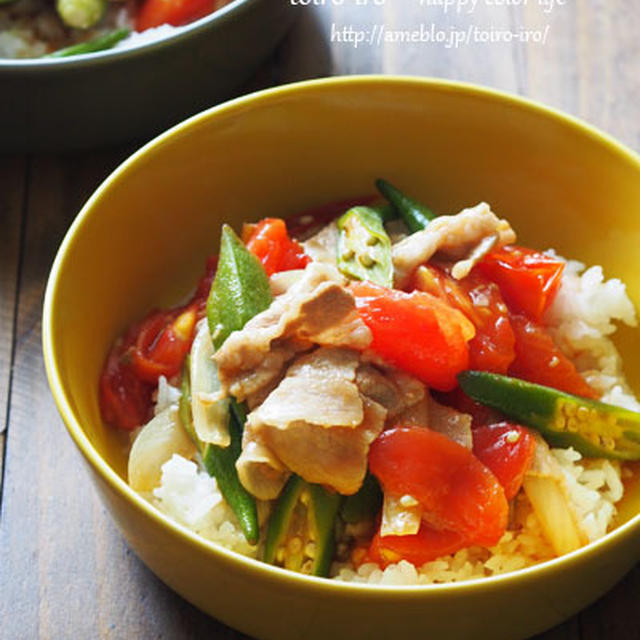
[[155, 219], [114, 96]]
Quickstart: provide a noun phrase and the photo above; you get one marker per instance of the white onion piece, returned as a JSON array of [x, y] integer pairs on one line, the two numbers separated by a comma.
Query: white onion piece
[[210, 410], [546, 489], [158, 440]]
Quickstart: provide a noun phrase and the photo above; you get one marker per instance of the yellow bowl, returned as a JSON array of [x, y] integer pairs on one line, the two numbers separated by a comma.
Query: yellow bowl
[[141, 241]]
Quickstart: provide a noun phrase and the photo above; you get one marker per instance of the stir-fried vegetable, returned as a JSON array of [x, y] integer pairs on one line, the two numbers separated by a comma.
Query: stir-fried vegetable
[[220, 463], [300, 534], [154, 13], [492, 348], [270, 243], [99, 43], [416, 332], [528, 280], [385, 363], [546, 489], [240, 289], [457, 492], [415, 215], [538, 359], [81, 14], [508, 450], [593, 428], [364, 248], [161, 438]]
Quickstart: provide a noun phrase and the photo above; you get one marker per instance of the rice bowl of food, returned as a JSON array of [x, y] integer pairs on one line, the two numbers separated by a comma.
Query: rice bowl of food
[[373, 405], [110, 72]]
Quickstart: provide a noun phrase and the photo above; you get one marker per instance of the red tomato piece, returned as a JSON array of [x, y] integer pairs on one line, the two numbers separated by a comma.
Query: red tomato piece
[[458, 492], [270, 243], [539, 360], [162, 344], [305, 223], [426, 545], [416, 332], [492, 348], [125, 400], [507, 449], [528, 279], [458, 399], [154, 13]]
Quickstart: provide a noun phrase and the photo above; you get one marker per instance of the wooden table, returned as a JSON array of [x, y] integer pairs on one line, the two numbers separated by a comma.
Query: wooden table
[[65, 571]]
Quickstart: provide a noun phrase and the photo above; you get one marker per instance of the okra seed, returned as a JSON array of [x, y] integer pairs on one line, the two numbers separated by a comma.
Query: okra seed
[[609, 443], [348, 254], [366, 260], [570, 409], [310, 550], [372, 240], [583, 413], [572, 425], [307, 567], [294, 546], [280, 555], [560, 423]]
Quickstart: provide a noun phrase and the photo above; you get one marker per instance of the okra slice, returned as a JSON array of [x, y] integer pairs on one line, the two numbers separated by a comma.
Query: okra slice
[[300, 535], [593, 428], [364, 248]]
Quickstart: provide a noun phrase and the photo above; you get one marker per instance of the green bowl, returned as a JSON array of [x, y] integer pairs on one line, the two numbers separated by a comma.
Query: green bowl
[[114, 96], [559, 181]]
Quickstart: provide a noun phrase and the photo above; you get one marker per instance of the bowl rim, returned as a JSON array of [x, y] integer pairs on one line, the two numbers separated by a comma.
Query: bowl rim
[[219, 16], [253, 566]]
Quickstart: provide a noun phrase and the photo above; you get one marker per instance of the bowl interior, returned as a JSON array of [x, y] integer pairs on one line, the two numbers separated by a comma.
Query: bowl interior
[[142, 240]]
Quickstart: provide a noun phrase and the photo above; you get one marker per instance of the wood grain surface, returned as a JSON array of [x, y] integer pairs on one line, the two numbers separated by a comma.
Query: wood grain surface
[[65, 572]]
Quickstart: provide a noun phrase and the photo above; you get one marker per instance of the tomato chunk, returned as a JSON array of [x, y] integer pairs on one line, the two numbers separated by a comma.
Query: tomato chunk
[[538, 359], [416, 332], [507, 449], [153, 13], [492, 348], [426, 545], [162, 344], [125, 400], [270, 243], [528, 279], [458, 492]]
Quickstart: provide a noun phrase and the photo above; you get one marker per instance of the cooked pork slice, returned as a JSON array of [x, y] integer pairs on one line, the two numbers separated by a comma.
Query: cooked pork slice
[[317, 308], [282, 281], [259, 471], [451, 238], [317, 423], [429, 413], [394, 390], [335, 456], [323, 246]]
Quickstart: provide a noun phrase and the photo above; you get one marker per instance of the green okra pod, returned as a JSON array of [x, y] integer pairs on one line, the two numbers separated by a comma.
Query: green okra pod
[[301, 530], [593, 428], [100, 43], [364, 248], [415, 215], [239, 291]]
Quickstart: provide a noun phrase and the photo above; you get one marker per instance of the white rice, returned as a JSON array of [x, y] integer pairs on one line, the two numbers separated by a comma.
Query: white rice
[[581, 320]]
